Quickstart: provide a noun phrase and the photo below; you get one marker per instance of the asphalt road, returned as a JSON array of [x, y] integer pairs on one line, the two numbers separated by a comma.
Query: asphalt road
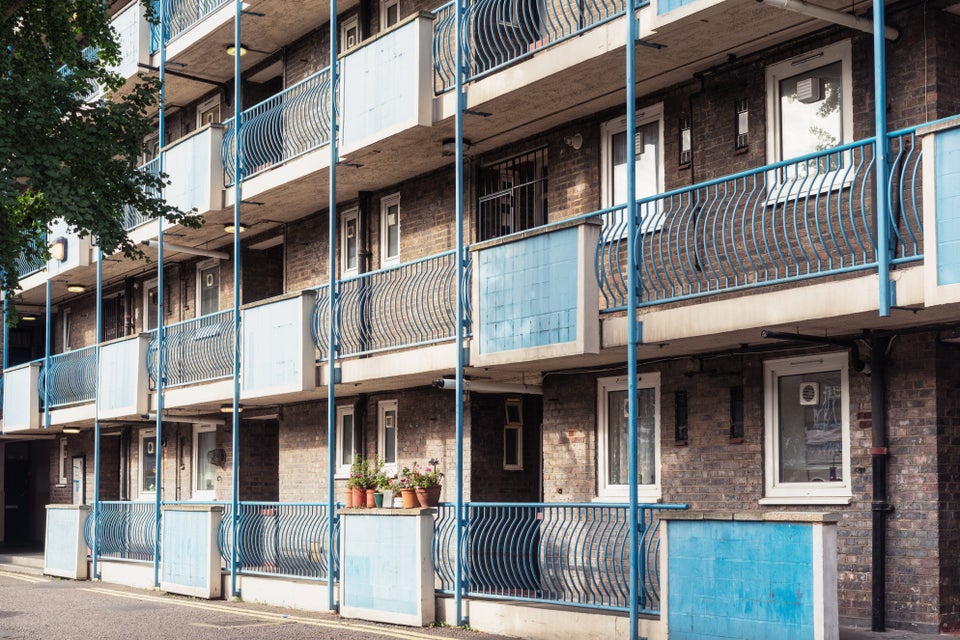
[[42, 608]]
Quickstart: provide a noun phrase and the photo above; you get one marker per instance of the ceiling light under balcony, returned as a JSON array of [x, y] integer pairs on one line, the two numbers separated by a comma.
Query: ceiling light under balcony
[[76, 288], [228, 408], [232, 50], [228, 228], [71, 430]]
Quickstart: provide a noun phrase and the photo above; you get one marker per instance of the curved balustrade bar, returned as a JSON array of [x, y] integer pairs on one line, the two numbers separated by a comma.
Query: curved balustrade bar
[[571, 554], [29, 261], [287, 125], [72, 377], [182, 15], [500, 32], [798, 219], [125, 530], [197, 350], [412, 304], [131, 217]]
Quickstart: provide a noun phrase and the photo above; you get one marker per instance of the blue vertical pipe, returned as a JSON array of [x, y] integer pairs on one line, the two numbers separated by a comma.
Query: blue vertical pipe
[[882, 164], [161, 347], [47, 341], [331, 302], [95, 551], [237, 198], [6, 334], [632, 337], [461, 100]]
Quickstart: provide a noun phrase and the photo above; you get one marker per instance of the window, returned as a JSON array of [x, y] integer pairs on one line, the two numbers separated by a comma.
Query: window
[[347, 444], [648, 173], [389, 13], [512, 195], [613, 443], [390, 229], [62, 463], [810, 109], [66, 317], [148, 461], [208, 287], [348, 243], [349, 33], [513, 435], [150, 305], [208, 112], [387, 434], [206, 460], [807, 440]]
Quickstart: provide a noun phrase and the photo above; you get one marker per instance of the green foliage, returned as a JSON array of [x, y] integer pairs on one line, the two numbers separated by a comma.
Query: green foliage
[[62, 157]]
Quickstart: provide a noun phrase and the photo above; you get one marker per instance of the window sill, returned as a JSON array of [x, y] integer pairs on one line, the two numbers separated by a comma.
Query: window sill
[[806, 500], [617, 499]]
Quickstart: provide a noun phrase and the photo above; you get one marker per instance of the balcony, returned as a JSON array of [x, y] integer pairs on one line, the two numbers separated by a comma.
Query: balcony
[[133, 36]]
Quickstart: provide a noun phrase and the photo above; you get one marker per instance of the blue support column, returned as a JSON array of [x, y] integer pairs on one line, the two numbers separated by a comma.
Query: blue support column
[[47, 343], [461, 315], [237, 198], [95, 551], [331, 301], [633, 276], [882, 157]]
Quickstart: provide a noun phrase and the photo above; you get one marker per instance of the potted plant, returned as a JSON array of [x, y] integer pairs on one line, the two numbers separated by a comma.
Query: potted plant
[[427, 482], [384, 495], [358, 481], [372, 481], [408, 489]]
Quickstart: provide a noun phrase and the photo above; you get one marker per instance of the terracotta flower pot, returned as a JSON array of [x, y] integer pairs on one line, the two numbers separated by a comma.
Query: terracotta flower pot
[[348, 498], [370, 498], [359, 499], [409, 497], [429, 497]]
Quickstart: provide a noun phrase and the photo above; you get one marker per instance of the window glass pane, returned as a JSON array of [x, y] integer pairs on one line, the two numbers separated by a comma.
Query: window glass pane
[[390, 437], [209, 290], [393, 14], [150, 319], [811, 111], [148, 463], [350, 240], [647, 172], [511, 446], [810, 434], [393, 231], [206, 478], [618, 448], [346, 439]]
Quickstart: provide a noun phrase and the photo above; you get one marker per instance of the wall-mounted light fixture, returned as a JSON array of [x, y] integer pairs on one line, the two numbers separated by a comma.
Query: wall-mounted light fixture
[[58, 249], [232, 50], [29, 317], [76, 288], [686, 141], [228, 228], [742, 140], [574, 142]]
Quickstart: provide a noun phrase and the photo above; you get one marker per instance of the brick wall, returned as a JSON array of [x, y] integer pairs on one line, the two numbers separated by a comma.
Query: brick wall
[[82, 444], [948, 467], [490, 481]]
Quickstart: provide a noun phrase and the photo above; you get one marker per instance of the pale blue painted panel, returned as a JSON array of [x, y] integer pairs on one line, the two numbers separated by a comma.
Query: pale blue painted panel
[[948, 206], [19, 399], [188, 165], [118, 376], [666, 6], [127, 25], [746, 580], [60, 549], [528, 292], [381, 563], [186, 548], [272, 345]]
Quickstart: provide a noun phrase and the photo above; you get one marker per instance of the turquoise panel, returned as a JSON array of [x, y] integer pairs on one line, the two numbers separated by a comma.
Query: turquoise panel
[[60, 550], [186, 548], [381, 564], [744, 580], [528, 292], [666, 6], [947, 165]]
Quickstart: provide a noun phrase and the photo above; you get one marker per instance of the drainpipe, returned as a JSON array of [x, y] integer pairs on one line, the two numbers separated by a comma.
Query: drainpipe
[[331, 305], [459, 15], [882, 161], [880, 505]]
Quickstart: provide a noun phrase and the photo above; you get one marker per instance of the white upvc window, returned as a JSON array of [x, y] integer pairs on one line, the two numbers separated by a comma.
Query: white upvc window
[[207, 458], [208, 112], [648, 173], [613, 443], [349, 236], [810, 109], [390, 229], [66, 316], [150, 305], [807, 430], [387, 434], [208, 287], [513, 435], [62, 463], [389, 13], [347, 445], [349, 33], [149, 449]]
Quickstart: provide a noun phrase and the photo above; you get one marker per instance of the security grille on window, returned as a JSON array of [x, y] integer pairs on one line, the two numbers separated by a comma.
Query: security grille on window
[[512, 195]]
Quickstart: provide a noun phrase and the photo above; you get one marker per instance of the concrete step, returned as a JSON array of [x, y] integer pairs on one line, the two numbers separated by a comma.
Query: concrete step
[[22, 562]]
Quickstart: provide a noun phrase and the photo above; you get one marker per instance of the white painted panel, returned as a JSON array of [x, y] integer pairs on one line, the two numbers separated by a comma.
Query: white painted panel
[[195, 171], [78, 249], [122, 378], [21, 399], [134, 37], [278, 350]]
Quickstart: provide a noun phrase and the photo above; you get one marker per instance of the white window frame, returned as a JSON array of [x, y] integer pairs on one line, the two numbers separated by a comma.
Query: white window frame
[[144, 434], [207, 105], [353, 22], [345, 269], [621, 492], [66, 321], [149, 284], [203, 266], [62, 463], [198, 494], [776, 492], [384, 9], [383, 407], [645, 116], [513, 421], [809, 61], [343, 470], [385, 204]]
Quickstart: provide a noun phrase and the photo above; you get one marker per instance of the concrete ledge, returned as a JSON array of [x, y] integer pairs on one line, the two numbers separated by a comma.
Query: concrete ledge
[[306, 595], [753, 516]]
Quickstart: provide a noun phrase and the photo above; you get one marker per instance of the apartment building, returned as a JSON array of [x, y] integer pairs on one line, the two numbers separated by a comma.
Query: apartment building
[[796, 309]]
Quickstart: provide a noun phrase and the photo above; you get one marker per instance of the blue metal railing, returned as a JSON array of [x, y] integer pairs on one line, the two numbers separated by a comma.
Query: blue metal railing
[[282, 539], [792, 220], [125, 530], [572, 554], [287, 125], [72, 377], [412, 304], [197, 350], [131, 217], [180, 16], [29, 261], [500, 32]]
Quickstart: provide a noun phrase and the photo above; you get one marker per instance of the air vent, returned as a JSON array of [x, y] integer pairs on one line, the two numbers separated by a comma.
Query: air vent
[[809, 394], [808, 90]]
